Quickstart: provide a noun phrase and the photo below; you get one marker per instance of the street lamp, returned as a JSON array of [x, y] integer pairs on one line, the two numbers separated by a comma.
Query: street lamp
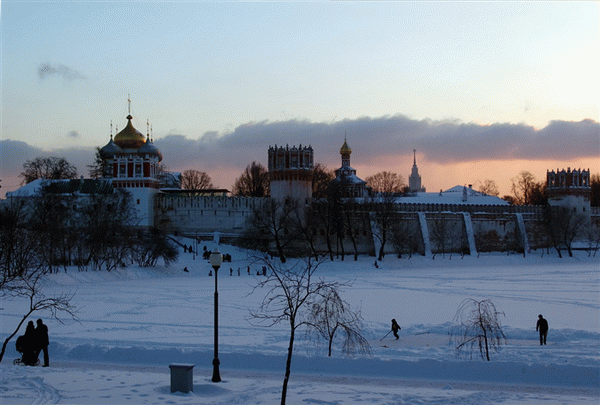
[[215, 261]]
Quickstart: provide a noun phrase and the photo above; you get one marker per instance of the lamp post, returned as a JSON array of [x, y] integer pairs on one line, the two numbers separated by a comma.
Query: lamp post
[[215, 261]]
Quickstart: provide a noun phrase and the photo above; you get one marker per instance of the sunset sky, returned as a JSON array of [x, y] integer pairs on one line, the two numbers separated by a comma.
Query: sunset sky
[[482, 90]]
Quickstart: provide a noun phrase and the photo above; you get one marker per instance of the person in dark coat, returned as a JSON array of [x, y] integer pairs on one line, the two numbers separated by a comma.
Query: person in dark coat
[[28, 346], [395, 328], [542, 327], [41, 335]]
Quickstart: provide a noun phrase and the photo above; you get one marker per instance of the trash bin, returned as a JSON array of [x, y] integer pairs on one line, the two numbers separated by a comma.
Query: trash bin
[[182, 377]]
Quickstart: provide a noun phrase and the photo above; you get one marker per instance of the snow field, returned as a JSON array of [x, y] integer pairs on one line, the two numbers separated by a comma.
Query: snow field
[[134, 322]]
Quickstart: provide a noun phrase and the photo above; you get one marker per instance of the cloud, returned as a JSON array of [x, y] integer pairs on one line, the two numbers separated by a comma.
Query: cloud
[[14, 153], [374, 141], [46, 69], [74, 134], [439, 142]]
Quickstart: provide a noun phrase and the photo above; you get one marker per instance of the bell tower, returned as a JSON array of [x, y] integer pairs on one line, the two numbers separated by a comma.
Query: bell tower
[[133, 163]]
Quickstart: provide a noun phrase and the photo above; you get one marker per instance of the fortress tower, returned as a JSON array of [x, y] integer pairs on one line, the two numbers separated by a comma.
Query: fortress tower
[[290, 172], [569, 189]]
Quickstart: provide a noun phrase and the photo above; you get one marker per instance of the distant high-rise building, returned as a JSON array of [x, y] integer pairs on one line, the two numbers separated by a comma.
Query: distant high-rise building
[[414, 180]]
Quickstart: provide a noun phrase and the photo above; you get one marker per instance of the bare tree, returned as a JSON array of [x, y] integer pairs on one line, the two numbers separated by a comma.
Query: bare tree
[[107, 226], [593, 239], [290, 295], [352, 221], [195, 180], [154, 245], [51, 168], [18, 247], [386, 182], [522, 186], [320, 180], [403, 236], [29, 285], [489, 187], [100, 168], [323, 210], [564, 226], [330, 314], [477, 325], [383, 214], [276, 223], [49, 221], [527, 191], [305, 224], [254, 182], [509, 199], [440, 233]]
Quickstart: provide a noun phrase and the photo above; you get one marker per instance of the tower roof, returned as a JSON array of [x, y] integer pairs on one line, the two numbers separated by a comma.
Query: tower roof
[[345, 149], [129, 137], [150, 149], [109, 150]]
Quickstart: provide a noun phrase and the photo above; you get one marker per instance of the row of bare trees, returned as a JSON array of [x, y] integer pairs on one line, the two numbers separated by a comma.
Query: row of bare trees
[[329, 226], [42, 234], [22, 267]]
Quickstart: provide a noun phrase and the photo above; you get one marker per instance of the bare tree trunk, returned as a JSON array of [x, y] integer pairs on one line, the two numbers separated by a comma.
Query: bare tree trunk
[[288, 365], [13, 335]]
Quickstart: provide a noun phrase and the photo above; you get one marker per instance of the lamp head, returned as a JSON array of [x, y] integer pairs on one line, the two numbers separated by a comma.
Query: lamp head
[[216, 259]]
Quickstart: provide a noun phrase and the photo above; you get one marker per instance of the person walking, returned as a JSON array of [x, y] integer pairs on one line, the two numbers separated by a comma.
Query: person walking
[[542, 327], [395, 328], [42, 341]]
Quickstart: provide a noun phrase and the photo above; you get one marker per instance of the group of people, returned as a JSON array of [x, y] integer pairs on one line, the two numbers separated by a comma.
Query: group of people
[[32, 343], [541, 326]]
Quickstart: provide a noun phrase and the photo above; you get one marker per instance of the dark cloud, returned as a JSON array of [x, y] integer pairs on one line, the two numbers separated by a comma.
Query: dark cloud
[[438, 141], [46, 69], [14, 153]]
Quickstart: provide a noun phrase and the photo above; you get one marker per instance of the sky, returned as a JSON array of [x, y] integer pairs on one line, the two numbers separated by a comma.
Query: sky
[[482, 90]]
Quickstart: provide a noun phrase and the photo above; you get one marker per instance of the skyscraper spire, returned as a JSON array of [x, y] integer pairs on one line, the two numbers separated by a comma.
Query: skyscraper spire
[[414, 180]]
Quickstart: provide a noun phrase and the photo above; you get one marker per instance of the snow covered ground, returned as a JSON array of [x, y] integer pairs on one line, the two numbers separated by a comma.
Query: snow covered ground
[[135, 322]]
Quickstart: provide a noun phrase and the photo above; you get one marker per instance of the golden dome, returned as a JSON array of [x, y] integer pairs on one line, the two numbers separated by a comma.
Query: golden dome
[[345, 150], [129, 137]]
